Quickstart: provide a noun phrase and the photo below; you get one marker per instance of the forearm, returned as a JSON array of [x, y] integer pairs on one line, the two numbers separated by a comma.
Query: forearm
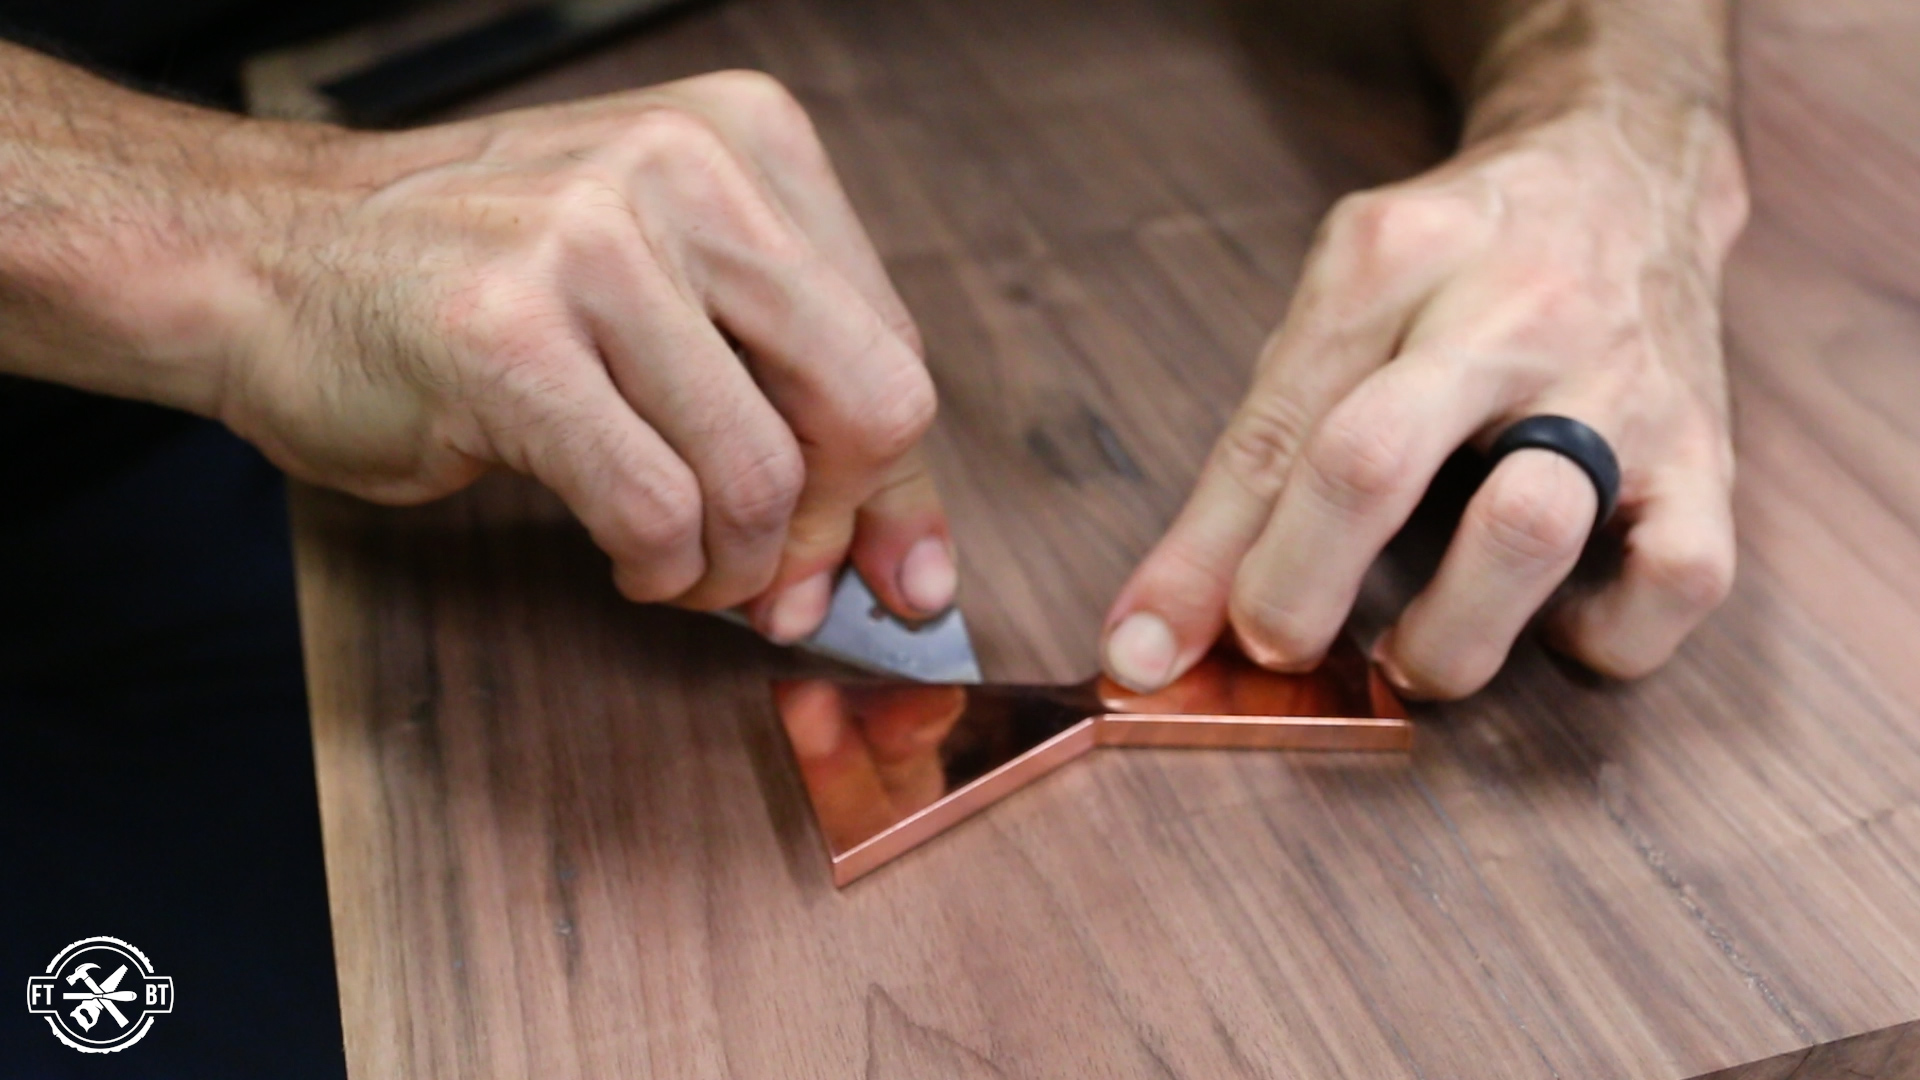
[[124, 258], [1514, 60]]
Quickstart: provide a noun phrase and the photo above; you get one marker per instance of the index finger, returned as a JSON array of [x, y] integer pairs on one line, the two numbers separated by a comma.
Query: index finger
[[1354, 487], [858, 401], [1353, 303], [898, 535]]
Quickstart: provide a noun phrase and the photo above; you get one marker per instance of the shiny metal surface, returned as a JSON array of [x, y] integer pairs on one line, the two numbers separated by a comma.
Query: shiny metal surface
[[860, 632], [888, 766]]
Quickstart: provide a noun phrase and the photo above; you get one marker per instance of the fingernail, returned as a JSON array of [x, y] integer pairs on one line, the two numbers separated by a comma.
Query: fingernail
[[799, 611], [1381, 654], [1141, 652], [928, 578], [1271, 658]]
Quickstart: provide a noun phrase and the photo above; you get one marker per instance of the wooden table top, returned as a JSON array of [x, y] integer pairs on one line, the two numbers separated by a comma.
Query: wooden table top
[[564, 838]]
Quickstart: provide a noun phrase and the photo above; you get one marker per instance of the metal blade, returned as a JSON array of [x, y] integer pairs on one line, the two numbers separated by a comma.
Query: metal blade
[[861, 632]]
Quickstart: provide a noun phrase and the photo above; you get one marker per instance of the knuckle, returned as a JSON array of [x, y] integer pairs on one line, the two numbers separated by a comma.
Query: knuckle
[[494, 304], [1697, 579], [1389, 227], [776, 124], [652, 583], [899, 415], [902, 326], [759, 496], [1529, 522], [504, 342], [1357, 220], [671, 133], [664, 515], [1358, 462], [655, 527], [709, 187], [1185, 579], [761, 102], [1259, 445]]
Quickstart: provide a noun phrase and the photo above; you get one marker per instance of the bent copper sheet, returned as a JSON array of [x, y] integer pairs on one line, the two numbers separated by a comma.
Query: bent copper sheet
[[888, 766]]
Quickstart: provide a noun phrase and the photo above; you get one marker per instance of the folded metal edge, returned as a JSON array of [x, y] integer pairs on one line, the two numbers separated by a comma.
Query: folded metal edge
[[1187, 732], [957, 805]]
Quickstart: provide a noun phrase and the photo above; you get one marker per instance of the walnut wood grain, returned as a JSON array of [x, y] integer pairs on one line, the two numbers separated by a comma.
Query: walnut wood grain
[[1888, 1054], [564, 839]]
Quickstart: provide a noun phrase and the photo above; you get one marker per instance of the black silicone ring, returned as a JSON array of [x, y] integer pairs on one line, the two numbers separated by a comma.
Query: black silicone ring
[[1574, 441]]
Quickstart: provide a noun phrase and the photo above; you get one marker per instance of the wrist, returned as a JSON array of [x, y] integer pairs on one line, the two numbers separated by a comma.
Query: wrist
[[124, 261], [1676, 164], [134, 232], [206, 304], [1649, 97]]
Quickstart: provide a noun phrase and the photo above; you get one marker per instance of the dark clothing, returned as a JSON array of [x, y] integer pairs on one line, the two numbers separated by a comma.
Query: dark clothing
[[189, 48], [156, 774], [156, 777]]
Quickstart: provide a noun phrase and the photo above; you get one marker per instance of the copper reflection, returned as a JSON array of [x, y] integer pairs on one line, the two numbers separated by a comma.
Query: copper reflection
[[888, 766]]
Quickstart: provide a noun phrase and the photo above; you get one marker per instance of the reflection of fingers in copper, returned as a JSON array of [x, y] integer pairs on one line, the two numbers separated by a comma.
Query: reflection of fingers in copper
[[903, 722], [836, 765], [904, 726], [851, 861], [814, 714]]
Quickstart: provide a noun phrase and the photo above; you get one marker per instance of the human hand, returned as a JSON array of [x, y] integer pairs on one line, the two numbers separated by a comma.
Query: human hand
[[1551, 269], [561, 291]]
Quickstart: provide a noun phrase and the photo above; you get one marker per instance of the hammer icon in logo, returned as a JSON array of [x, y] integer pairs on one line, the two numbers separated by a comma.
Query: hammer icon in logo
[[103, 996]]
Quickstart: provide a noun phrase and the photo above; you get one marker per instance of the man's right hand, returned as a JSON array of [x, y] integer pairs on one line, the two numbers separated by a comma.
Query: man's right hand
[[658, 303]]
